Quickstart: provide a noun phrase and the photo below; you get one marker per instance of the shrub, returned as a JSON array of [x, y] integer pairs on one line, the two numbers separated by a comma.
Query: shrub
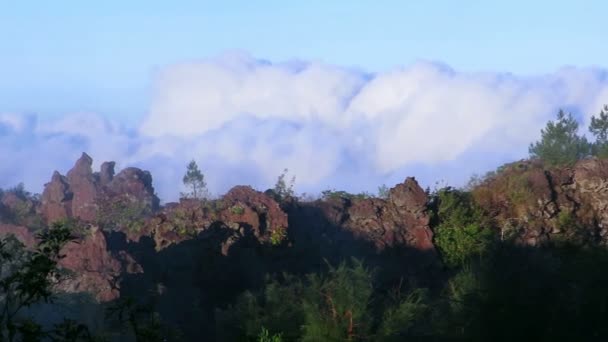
[[122, 213], [266, 337], [339, 305], [400, 318], [281, 189], [337, 194], [277, 307], [27, 278], [237, 210], [461, 229], [277, 236], [383, 191]]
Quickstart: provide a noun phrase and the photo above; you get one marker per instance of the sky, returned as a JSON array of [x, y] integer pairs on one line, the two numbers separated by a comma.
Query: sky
[[349, 94]]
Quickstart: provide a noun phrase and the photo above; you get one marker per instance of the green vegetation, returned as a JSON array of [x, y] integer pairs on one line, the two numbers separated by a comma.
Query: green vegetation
[[461, 230], [277, 236], [266, 337], [560, 144], [181, 222], [122, 213], [26, 278], [282, 190], [195, 181], [142, 323], [599, 129], [339, 305], [237, 209], [22, 212], [383, 191], [338, 194]]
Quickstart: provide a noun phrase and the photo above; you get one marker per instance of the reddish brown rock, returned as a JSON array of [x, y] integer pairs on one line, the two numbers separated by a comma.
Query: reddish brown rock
[[536, 205], [259, 211], [242, 208], [84, 187], [21, 233], [106, 174], [95, 270], [401, 220], [85, 195], [56, 201], [133, 183]]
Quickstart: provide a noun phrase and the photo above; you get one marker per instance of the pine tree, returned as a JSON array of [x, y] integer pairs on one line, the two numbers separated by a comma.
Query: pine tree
[[195, 181], [560, 144], [599, 128]]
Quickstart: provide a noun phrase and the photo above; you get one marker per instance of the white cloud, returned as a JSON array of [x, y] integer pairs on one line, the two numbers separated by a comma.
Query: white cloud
[[244, 120]]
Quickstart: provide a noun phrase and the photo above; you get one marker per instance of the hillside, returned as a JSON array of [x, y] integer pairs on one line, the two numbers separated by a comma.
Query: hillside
[[518, 255]]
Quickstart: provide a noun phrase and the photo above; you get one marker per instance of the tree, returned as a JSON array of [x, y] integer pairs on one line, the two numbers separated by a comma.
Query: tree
[[195, 180], [27, 277], [281, 189], [599, 128], [560, 144]]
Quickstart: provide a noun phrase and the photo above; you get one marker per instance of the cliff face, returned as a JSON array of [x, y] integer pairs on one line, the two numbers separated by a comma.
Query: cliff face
[[246, 233], [194, 256], [536, 206], [84, 195]]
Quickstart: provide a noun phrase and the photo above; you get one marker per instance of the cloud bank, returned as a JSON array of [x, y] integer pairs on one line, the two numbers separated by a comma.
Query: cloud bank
[[244, 120]]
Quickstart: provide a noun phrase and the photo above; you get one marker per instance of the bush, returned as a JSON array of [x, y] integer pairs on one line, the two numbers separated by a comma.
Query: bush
[[461, 229], [277, 236], [266, 337], [277, 308], [122, 213], [383, 191], [399, 319], [237, 210], [339, 194], [282, 190], [339, 305], [27, 278]]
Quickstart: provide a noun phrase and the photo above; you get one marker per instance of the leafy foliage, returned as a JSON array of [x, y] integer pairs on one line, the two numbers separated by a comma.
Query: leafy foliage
[[23, 209], [339, 305], [28, 277], [402, 316], [337, 194], [282, 190], [336, 306], [122, 213], [461, 230], [237, 209], [266, 337], [383, 191], [277, 236], [560, 144], [141, 321]]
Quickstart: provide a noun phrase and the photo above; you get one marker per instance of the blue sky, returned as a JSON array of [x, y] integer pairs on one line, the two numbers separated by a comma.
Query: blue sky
[[350, 94], [58, 56]]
